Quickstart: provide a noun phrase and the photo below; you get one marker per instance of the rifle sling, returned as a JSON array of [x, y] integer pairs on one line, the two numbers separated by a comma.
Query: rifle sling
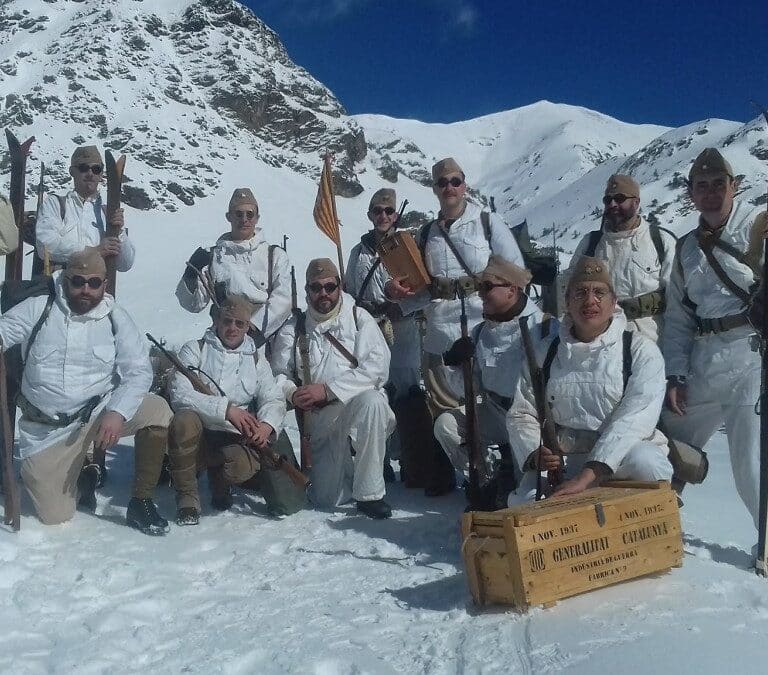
[[717, 268], [367, 280], [349, 356], [441, 229]]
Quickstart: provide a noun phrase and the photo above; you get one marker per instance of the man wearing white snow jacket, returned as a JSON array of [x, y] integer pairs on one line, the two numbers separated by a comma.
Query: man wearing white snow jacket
[[456, 247], [639, 255], [604, 388], [710, 347], [208, 429], [497, 348], [86, 377], [241, 263], [338, 379]]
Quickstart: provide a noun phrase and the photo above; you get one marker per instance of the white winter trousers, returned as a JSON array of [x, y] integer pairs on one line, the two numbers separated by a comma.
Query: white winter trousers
[[450, 431], [724, 388], [644, 461], [337, 430]]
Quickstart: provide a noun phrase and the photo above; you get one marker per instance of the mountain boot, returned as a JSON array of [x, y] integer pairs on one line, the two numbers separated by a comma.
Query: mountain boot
[[187, 515], [142, 515], [87, 482], [389, 472], [221, 493], [376, 508]]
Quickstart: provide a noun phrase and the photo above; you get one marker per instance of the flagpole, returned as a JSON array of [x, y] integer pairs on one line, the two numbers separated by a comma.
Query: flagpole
[[335, 215]]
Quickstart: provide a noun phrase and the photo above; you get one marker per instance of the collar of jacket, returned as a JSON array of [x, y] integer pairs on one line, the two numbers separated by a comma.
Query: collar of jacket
[[471, 212], [611, 335], [639, 226], [98, 312], [225, 241], [81, 201], [246, 347], [514, 312]]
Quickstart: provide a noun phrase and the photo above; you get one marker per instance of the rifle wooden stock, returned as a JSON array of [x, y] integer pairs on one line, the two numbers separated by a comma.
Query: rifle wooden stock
[[478, 473], [268, 456], [10, 487], [543, 411], [302, 419]]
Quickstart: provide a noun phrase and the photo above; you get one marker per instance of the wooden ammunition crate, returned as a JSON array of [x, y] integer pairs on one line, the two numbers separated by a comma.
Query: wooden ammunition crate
[[402, 258], [541, 552]]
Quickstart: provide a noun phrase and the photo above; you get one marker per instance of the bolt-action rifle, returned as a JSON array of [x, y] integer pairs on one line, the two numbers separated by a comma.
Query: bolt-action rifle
[[302, 419], [267, 455], [543, 411]]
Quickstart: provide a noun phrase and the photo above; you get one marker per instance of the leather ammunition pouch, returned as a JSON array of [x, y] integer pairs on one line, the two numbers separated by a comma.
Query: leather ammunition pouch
[[648, 304], [34, 414], [445, 288]]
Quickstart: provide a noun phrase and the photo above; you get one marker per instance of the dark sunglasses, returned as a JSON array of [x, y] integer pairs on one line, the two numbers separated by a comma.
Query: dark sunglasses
[[237, 323], [378, 210], [619, 199], [245, 214], [329, 288], [95, 169], [487, 286], [93, 282], [445, 182]]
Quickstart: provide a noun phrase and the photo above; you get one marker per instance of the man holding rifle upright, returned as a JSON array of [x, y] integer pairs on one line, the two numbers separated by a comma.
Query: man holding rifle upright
[[223, 428], [603, 387]]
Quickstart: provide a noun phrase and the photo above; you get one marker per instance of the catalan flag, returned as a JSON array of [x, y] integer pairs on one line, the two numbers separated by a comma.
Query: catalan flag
[[325, 205]]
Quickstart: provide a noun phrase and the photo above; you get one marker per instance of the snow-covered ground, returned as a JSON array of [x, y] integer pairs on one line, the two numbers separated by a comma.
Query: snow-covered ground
[[334, 592]]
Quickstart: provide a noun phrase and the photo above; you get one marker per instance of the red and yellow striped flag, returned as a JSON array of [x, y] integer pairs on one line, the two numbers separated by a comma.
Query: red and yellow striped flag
[[325, 205]]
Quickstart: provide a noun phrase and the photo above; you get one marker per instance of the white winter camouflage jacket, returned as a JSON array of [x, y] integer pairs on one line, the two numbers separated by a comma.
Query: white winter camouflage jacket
[[245, 378], [75, 357], [585, 392], [84, 225], [357, 330], [243, 267]]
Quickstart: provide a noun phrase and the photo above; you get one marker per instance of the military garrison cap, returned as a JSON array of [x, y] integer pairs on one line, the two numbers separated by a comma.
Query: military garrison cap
[[444, 167], [383, 197], [86, 154], [242, 197], [237, 307], [710, 161], [499, 270], [590, 269], [87, 263], [321, 268], [622, 184]]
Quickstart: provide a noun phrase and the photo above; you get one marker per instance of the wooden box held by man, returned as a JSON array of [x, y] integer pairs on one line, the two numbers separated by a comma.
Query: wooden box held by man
[[541, 552]]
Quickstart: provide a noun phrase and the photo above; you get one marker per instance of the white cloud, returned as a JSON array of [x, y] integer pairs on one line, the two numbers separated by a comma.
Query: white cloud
[[466, 17]]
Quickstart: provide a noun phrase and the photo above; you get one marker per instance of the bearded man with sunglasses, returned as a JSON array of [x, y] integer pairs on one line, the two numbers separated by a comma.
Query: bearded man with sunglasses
[[365, 280], [86, 377], [241, 263], [67, 225], [639, 255], [497, 348], [456, 247], [346, 406], [218, 431], [603, 390]]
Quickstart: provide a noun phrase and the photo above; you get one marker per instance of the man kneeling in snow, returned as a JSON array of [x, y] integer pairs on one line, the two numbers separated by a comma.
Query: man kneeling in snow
[[223, 429], [340, 386], [604, 387], [86, 378]]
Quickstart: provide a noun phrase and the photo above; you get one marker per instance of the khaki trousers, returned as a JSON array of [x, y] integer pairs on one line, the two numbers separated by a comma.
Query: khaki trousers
[[50, 476]]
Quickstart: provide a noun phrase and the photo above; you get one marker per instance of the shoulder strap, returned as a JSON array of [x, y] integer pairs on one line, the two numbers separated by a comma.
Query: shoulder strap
[[594, 239], [200, 344], [354, 316], [626, 361], [270, 274], [349, 356], [546, 322], [485, 219], [36, 328], [658, 244], [551, 353], [366, 281], [679, 261], [62, 205], [454, 250], [717, 268]]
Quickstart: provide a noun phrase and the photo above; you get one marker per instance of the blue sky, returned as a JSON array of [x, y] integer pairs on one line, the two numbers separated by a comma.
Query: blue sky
[[445, 60]]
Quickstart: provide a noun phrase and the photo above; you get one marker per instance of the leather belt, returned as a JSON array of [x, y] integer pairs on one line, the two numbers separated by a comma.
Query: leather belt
[[34, 414], [446, 288], [721, 324], [501, 401]]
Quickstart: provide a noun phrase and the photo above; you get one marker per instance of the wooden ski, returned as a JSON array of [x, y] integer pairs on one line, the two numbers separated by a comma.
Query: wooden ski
[[10, 487], [19, 153], [115, 170]]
